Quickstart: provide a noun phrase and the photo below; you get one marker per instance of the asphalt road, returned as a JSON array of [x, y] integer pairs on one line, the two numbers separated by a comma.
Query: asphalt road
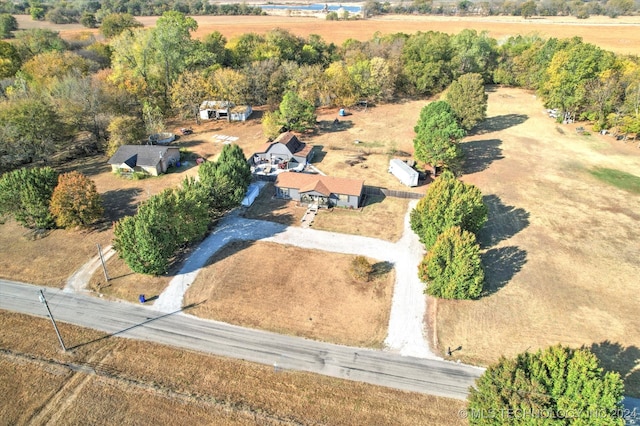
[[179, 329]]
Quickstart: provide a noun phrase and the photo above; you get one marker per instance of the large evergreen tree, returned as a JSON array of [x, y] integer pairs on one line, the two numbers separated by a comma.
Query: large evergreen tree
[[26, 194], [452, 268], [225, 181], [554, 386], [437, 136], [448, 202]]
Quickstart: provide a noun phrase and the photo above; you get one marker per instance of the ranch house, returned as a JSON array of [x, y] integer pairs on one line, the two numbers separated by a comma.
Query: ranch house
[[325, 191], [151, 159]]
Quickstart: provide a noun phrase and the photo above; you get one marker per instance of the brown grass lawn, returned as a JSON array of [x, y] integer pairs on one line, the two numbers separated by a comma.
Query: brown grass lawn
[[145, 383], [562, 247], [380, 217], [293, 290]]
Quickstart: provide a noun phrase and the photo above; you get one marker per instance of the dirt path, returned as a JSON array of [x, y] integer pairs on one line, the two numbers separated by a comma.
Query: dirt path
[[406, 329], [79, 280]]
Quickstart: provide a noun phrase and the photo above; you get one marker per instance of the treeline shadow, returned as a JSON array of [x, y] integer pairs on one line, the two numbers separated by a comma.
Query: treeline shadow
[[622, 360], [478, 155], [500, 266], [498, 123], [119, 203], [503, 221], [331, 126]]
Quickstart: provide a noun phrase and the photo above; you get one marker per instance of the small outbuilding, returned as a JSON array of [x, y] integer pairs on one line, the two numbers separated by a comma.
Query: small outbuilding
[[405, 173], [150, 159], [216, 110], [324, 191]]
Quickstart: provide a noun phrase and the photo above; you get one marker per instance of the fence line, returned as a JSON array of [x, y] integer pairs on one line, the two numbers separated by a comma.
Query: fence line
[[376, 190]]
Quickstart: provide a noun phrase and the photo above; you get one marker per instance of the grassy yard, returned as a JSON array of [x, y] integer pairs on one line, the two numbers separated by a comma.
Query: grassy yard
[[561, 246], [292, 290], [617, 178]]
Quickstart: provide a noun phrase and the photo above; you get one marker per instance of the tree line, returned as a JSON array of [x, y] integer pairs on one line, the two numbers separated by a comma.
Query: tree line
[[526, 9], [118, 90]]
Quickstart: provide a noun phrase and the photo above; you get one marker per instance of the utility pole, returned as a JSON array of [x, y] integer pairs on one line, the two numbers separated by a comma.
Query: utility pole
[[104, 266], [44, 300]]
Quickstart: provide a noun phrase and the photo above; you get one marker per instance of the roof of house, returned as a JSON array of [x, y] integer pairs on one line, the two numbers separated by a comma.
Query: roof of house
[[140, 155], [293, 144], [325, 185]]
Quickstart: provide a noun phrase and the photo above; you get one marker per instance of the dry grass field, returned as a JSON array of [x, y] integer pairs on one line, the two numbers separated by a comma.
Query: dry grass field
[[291, 290], [562, 247], [620, 35], [120, 381]]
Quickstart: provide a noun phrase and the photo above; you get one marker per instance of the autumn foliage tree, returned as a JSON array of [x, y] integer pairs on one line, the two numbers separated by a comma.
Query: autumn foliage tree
[[75, 201], [556, 386], [452, 268]]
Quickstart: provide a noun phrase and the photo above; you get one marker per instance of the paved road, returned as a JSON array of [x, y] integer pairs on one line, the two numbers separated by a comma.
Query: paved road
[[178, 329]]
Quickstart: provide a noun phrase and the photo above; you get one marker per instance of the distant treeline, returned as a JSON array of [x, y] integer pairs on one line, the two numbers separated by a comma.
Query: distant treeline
[[579, 9], [66, 12]]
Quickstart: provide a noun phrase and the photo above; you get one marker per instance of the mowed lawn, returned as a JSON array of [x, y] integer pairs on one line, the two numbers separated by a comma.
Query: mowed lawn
[[562, 245]]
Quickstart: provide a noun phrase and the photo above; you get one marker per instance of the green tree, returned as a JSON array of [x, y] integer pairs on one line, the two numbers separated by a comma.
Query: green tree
[[30, 129], [468, 100], [437, 136], [569, 72], [452, 268], [88, 20], [448, 202], [8, 24], [25, 194], [427, 62], [295, 113], [149, 241], [75, 201], [32, 42], [225, 181], [473, 52], [566, 383], [173, 46], [215, 43], [124, 130], [528, 9], [146, 241], [114, 24], [10, 61]]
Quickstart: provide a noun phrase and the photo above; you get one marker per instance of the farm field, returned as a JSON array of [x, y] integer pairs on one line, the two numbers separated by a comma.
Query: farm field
[[561, 250], [620, 35], [145, 383], [562, 247]]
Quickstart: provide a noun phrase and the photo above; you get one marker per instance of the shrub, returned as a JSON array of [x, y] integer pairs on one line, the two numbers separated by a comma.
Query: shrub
[[361, 269]]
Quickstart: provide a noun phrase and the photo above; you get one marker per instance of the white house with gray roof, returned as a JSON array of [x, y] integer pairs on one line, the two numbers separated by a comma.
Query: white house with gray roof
[[151, 159]]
